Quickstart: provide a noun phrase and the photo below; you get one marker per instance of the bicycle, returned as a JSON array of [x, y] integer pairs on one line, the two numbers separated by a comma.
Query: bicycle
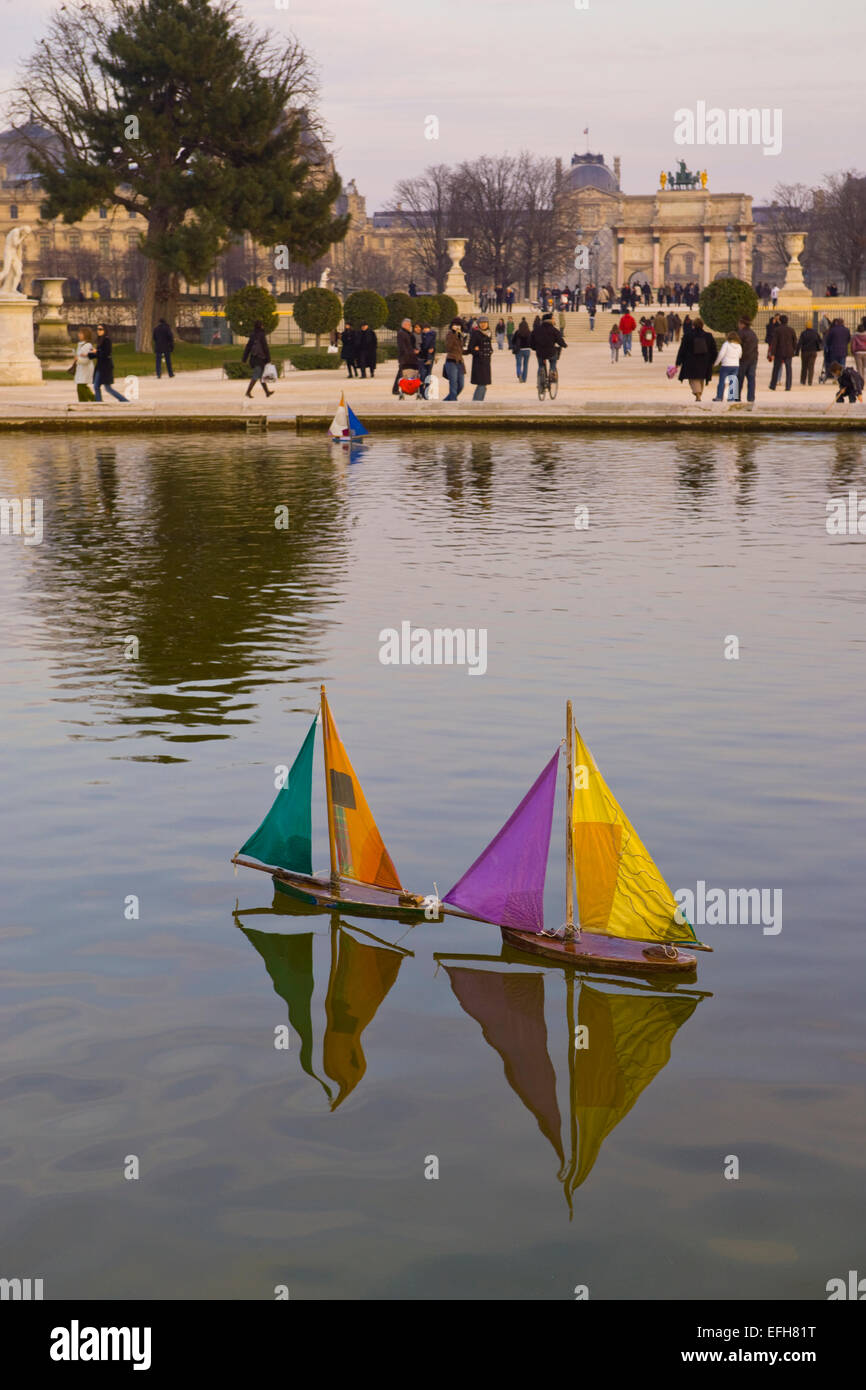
[[548, 378]]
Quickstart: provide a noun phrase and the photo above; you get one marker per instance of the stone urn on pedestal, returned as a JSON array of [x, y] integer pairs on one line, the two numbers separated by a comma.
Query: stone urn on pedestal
[[456, 285], [795, 290], [52, 336], [19, 365]]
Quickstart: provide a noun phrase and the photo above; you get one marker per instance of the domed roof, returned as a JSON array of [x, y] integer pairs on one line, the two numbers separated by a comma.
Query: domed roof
[[589, 171]]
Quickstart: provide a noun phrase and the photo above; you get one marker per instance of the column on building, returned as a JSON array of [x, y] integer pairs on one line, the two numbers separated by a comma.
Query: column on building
[[620, 258], [707, 240], [741, 262], [656, 277]]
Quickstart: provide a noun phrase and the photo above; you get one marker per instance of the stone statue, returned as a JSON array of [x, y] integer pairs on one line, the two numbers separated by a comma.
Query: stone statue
[[323, 278], [663, 178], [13, 260]]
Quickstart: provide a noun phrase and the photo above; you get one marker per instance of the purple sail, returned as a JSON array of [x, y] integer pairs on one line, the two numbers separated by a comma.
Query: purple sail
[[505, 885]]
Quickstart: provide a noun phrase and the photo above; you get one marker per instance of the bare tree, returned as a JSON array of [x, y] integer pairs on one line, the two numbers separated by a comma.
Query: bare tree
[[488, 193], [543, 242], [427, 206], [841, 213], [793, 210]]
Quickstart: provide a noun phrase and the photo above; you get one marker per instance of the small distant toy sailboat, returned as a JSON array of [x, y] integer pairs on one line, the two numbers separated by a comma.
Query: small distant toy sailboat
[[628, 917], [363, 880], [345, 425]]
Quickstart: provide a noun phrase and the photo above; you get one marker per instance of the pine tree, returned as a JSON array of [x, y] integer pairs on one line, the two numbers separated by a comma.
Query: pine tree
[[202, 125]]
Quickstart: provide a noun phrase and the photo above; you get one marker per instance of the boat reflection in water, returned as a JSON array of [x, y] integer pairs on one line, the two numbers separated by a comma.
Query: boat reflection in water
[[614, 1044], [361, 970]]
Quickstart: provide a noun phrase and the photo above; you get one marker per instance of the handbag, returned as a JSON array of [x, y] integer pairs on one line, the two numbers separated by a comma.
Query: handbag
[[670, 372]]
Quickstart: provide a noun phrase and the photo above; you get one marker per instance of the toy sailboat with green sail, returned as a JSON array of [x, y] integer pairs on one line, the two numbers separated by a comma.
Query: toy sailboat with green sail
[[628, 919], [363, 880]]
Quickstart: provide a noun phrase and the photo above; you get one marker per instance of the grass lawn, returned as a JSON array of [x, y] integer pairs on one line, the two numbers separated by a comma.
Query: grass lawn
[[187, 357]]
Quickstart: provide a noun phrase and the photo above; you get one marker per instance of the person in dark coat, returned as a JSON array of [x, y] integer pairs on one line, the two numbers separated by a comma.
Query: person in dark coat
[[696, 356], [348, 349], [480, 351], [407, 355], [808, 347], [163, 347], [258, 354], [783, 347], [836, 343], [103, 374], [366, 347], [749, 360]]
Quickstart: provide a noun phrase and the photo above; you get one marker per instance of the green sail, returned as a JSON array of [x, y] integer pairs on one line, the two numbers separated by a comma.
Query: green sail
[[285, 836]]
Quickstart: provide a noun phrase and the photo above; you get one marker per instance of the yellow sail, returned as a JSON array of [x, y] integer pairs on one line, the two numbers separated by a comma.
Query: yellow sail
[[620, 892], [360, 850], [630, 1040]]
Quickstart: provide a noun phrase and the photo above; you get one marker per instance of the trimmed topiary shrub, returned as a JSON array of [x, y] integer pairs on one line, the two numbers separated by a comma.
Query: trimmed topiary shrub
[[400, 306], [724, 302], [242, 371], [365, 306], [251, 303], [447, 309], [318, 311], [313, 359], [427, 309]]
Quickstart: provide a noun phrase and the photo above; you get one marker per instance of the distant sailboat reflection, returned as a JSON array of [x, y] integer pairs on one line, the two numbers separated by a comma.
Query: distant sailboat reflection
[[617, 1042], [360, 975]]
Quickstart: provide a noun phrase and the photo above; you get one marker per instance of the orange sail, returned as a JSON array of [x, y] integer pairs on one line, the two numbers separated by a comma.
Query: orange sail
[[360, 850]]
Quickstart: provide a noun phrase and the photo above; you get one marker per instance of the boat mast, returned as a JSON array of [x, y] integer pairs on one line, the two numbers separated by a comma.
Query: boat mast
[[569, 832], [332, 842]]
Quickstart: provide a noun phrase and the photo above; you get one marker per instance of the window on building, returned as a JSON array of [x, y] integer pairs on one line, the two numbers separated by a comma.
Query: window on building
[[104, 245], [45, 244], [13, 211], [103, 212], [132, 212], [690, 264], [74, 242], [132, 241]]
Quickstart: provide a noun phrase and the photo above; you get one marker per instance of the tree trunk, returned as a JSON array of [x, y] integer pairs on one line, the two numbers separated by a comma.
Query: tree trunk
[[146, 307]]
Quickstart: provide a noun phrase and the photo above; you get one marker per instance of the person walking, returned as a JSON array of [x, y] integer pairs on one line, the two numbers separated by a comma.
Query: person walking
[[858, 347], [500, 335], [675, 327], [647, 337], [807, 349], [660, 324], [366, 350], [163, 347], [258, 354], [627, 326], [696, 356], [481, 350], [774, 295], [348, 349], [728, 362], [407, 357], [82, 367], [783, 347], [509, 330], [103, 374], [748, 358], [454, 370], [520, 346], [614, 337], [426, 350], [591, 305]]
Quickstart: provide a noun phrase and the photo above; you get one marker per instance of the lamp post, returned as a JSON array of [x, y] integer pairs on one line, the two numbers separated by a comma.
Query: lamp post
[[595, 248], [729, 237], [580, 268]]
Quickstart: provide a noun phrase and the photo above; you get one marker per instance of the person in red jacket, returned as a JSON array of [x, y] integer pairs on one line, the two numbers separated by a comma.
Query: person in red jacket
[[647, 337], [627, 326]]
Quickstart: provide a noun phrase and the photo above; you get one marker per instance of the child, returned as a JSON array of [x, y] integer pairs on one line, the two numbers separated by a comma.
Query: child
[[848, 383], [614, 337]]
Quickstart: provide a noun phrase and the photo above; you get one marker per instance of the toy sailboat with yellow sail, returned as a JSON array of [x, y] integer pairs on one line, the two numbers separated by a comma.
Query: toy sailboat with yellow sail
[[628, 919], [614, 1037], [363, 880]]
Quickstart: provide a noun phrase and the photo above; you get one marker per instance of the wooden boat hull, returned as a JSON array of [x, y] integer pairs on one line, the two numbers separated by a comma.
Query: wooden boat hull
[[591, 951], [356, 899]]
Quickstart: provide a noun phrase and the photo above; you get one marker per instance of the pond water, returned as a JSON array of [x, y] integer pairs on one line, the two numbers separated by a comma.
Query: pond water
[[133, 770]]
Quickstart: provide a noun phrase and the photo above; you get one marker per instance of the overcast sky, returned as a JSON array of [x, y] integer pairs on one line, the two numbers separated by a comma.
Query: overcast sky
[[509, 74]]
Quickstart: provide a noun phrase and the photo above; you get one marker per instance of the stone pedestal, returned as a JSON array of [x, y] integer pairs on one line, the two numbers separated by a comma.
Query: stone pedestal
[[456, 285], [795, 290], [19, 365], [53, 344]]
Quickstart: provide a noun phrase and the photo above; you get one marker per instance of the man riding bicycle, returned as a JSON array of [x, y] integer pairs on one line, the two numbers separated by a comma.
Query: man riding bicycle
[[547, 341]]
